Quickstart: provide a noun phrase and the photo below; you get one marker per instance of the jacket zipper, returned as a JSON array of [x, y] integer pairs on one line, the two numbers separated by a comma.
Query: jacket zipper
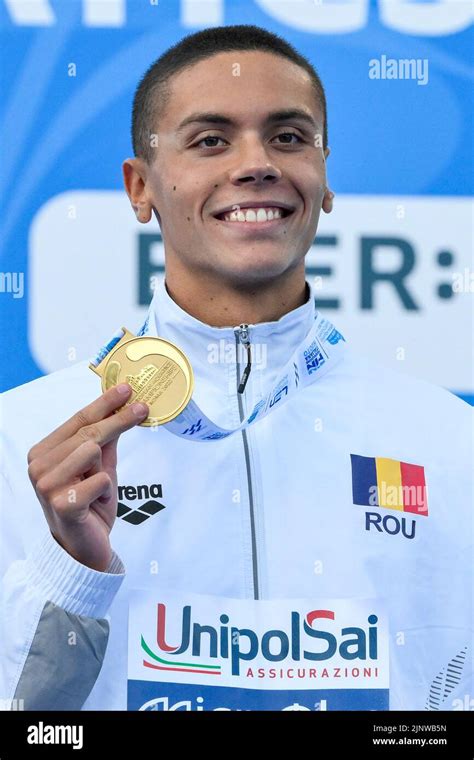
[[242, 337]]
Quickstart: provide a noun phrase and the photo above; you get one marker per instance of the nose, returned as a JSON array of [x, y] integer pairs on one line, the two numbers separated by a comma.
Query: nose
[[253, 166]]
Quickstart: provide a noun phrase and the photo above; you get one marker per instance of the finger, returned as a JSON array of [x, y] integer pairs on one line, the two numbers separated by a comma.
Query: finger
[[87, 459], [109, 457], [69, 503], [115, 425], [112, 427], [109, 466], [100, 408]]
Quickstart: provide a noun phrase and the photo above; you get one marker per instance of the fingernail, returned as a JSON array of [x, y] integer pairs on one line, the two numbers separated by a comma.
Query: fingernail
[[123, 388], [139, 409]]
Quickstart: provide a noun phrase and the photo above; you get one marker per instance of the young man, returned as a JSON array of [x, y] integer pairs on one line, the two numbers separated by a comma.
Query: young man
[[319, 558]]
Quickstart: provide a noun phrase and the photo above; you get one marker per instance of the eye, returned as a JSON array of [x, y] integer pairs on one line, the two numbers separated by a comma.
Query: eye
[[204, 140], [289, 134]]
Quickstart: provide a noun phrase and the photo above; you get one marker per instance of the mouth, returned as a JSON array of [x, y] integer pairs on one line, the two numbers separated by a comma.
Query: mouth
[[255, 217]]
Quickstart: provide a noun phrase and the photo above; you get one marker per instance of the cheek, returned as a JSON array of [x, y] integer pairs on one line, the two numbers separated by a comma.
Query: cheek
[[183, 210], [311, 184], [317, 180], [174, 202], [179, 193]]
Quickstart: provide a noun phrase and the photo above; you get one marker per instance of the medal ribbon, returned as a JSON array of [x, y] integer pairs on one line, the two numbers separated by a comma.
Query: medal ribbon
[[322, 348]]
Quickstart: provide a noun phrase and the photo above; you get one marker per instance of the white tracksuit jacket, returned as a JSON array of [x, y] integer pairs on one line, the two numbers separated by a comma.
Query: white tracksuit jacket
[[275, 515]]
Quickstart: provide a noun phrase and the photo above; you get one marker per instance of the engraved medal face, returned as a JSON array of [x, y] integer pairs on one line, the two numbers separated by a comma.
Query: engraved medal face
[[158, 372]]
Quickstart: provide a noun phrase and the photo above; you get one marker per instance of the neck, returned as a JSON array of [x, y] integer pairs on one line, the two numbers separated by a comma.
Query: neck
[[220, 303]]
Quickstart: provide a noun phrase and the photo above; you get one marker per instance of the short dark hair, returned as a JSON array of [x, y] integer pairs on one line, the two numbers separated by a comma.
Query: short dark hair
[[153, 90]]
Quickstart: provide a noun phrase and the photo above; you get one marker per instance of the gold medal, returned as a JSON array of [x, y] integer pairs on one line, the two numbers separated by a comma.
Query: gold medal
[[158, 372]]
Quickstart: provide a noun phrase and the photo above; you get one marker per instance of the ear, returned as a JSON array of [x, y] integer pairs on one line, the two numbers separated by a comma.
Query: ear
[[328, 195], [327, 201], [134, 179]]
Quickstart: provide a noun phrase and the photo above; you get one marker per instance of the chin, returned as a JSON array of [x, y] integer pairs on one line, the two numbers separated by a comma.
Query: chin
[[256, 272]]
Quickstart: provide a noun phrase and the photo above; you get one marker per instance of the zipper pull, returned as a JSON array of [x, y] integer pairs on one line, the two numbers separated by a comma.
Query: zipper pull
[[244, 338]]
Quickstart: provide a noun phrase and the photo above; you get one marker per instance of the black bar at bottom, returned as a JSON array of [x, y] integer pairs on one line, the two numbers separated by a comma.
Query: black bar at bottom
[[152, 734]]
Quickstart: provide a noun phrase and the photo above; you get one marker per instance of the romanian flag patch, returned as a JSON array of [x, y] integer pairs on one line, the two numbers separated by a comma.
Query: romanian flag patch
[[381, 482]]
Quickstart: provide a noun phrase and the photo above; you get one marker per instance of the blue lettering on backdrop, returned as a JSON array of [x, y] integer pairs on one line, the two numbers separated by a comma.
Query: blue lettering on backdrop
[[66, 118]]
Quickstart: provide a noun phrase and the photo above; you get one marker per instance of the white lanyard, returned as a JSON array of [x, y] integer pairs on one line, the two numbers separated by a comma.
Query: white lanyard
[[321, 349]]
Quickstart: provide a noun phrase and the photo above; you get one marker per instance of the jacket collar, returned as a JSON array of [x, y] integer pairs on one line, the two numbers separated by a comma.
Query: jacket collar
[[276, 340]]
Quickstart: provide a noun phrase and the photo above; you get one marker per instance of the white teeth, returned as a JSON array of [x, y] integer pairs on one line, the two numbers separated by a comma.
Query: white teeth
[[254, 215]]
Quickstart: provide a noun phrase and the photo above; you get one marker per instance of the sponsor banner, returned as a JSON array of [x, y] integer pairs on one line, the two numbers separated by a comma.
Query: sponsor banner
[[193, 652]]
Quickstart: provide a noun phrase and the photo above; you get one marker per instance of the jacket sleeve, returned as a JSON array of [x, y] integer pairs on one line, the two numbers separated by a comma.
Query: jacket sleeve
[[54, 627]]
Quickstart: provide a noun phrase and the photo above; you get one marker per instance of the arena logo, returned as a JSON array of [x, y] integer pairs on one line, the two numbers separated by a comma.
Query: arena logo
[[145, 510], [228, 642], [440, 17]]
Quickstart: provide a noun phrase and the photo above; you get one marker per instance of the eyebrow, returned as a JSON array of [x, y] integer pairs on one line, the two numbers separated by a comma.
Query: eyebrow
[[288, 114]]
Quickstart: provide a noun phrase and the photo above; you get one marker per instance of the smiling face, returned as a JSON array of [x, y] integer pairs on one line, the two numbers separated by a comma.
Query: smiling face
[[246, 144]]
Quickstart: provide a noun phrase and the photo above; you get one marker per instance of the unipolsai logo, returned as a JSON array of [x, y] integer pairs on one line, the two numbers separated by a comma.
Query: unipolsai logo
[[217, 647]]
